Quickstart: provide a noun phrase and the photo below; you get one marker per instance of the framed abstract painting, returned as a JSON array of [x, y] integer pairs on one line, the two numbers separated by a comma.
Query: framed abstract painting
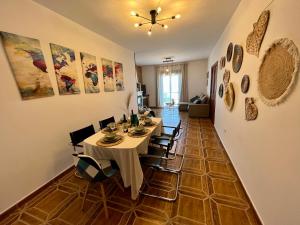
[[65, 69], [28, 65], [108, 75], [119, 75], [89, 72]]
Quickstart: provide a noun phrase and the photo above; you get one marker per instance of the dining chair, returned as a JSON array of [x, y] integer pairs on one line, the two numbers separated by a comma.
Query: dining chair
[[154, 161], [151, 113], [79, 135], [105, 122], [168, 137], [95, 171]]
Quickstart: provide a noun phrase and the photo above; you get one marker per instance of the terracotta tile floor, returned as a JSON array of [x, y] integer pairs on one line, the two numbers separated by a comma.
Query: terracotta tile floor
[[210, 191]]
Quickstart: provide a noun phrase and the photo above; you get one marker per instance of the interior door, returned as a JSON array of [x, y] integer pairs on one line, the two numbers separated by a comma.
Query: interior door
[[213, 88]]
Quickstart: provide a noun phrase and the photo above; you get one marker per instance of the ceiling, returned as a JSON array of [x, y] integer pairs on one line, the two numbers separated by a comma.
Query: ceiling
[[188, 38]]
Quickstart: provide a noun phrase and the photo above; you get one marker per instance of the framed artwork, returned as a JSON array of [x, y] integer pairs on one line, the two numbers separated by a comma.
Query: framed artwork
[[108, 75], [28, 65], [65, 69], [89, 72], [119, 76]]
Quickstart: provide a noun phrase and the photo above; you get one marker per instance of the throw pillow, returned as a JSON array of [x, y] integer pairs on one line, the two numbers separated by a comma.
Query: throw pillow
[[194, 98]]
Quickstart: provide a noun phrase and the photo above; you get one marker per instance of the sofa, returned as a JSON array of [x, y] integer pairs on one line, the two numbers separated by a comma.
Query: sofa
[[197, 107]]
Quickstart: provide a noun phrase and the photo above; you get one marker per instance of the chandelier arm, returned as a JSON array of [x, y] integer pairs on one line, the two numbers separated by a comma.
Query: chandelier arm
[[141, 24], [169, 18], [143, 17]]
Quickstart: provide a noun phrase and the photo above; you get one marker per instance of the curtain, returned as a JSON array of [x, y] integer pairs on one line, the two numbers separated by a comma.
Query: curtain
[[169, 73]]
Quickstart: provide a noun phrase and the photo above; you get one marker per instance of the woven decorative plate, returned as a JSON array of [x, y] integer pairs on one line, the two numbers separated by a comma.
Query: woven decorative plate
[[222, 62], [103, 143], [221, 90], [229, 52], [278, 71], [251, 110], [131, 134], [237, 58], [245, 84], [229, 96], [226, 77], [256, 37]]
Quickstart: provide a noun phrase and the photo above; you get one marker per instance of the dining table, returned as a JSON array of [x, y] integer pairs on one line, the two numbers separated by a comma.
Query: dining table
[[126, 154]]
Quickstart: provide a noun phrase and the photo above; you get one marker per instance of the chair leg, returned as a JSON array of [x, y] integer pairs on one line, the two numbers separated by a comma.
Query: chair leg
[[104, 200], [118, 183], [85, 194]]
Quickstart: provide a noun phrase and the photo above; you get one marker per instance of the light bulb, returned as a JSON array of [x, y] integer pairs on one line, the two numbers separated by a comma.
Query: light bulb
[[136, 25], [149, 32], [165, 26], [178, 16], [167, 70], [158, 10], [133, 13]]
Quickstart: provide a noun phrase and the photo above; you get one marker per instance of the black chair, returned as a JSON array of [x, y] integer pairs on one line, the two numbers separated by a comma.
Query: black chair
[[79, 135], [151, 113], [154, 161], [94, 171], [171, 135], [104, 123]]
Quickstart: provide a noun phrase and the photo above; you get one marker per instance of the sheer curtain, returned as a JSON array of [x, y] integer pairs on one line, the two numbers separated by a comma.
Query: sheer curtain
[[171, 84]]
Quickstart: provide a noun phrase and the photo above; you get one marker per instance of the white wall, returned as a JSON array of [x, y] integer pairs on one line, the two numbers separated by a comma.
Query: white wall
[[197, 80], [34, 134], [149, 79], [265, 152]]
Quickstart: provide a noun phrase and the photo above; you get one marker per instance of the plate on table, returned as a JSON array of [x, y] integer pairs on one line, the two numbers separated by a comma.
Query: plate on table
[[108, 130], [110, 140], [138, 133], [152, 123]]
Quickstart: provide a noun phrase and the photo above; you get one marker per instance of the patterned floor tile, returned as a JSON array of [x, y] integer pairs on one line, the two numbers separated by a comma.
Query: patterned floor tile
[[210, 192]]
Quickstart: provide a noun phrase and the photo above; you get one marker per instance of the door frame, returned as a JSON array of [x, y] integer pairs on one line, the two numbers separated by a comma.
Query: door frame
[[213, 90]]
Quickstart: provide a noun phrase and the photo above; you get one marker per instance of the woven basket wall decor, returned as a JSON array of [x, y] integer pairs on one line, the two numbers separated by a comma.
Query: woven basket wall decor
[[226, 77], [222, 62], [278, 71], [229, 96], [251, 110], [221, 90], [245, 84], [229, 52], [255, 38], [237, 60]]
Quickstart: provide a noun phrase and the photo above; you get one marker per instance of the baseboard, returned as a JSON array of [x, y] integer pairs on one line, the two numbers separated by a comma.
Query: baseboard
[[8, 211], [245, 190]]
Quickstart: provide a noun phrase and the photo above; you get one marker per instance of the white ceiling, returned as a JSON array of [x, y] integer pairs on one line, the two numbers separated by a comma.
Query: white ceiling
[[191, 37]]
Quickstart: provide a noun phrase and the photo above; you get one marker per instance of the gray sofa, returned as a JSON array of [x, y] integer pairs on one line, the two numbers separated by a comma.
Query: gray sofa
[[197, 107]]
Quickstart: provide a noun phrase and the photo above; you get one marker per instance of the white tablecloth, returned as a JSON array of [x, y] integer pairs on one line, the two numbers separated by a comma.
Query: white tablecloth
[[125, 154]]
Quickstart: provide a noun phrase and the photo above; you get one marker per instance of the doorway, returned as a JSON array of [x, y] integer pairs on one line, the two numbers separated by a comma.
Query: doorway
[[213, 88]]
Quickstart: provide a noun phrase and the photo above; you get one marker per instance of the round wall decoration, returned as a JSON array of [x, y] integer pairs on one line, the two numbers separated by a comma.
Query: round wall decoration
[[226, 77], [229, 96], [237, 58], [278, 71], [251, 110], [221, 90], [245, 84], [256, 37], [229, 52], [222, 62]]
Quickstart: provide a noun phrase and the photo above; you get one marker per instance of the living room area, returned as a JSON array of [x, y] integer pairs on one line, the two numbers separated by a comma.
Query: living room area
[[176, 85]]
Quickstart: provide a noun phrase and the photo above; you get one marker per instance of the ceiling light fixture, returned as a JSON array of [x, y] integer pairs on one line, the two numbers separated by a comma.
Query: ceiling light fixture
[[153, 20]]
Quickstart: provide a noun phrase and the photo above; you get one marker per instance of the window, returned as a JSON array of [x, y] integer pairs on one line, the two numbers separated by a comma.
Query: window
[[170, 88]]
